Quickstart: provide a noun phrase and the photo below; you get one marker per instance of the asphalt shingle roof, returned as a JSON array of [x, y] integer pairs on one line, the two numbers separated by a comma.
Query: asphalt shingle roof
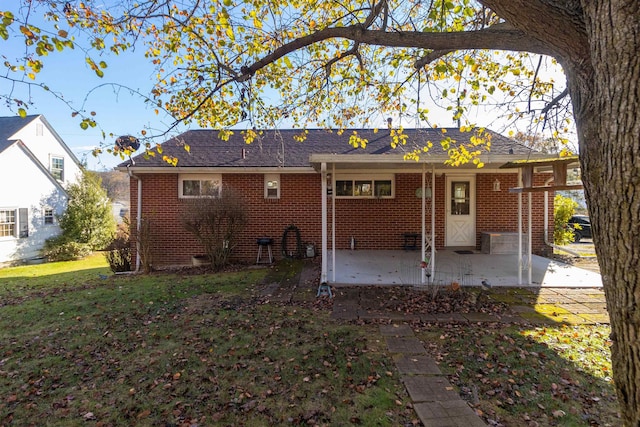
[[9, 126], [275, 148]]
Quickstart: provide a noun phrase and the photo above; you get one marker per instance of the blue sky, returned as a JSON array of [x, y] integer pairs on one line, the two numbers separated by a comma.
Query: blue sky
[[117, 110]]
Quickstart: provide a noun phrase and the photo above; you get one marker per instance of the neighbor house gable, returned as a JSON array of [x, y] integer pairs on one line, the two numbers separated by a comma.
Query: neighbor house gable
[[44, 145]]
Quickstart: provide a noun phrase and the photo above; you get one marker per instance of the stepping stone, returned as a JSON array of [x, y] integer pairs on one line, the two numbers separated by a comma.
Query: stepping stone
[[450, 317], [396, 330], [430, 389], [405, 345], [453, 413], [479, 317], [417, 365]]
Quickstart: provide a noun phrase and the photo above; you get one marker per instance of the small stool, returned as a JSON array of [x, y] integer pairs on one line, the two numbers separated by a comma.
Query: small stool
[[264, 241], [410, 241]]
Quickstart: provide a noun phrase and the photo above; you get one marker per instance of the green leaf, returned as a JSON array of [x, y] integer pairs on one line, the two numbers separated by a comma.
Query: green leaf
[[22, 112], [288, 63]]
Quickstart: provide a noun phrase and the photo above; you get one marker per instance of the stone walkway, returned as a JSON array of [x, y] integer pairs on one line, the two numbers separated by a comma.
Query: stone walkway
[[435, 400]]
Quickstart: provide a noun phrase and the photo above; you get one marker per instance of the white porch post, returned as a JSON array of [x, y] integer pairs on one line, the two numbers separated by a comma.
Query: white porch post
[[433, 222], [520, 232], [323, 272], [333, 221], [529, 260], [424, 228]]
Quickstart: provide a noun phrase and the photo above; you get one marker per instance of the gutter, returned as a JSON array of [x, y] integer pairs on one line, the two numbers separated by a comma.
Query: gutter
[[138, 217], [546, 224]]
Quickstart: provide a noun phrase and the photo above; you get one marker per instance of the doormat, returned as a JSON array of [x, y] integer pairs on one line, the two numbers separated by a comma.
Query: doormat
[[464, 252]]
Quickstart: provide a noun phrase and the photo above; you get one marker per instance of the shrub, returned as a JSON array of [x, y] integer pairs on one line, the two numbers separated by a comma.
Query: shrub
[[88, 218], [61, 249], [215, 222], [563, 210], [118, 253]]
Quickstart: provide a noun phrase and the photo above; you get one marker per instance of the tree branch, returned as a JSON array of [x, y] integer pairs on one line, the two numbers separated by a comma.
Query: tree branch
[[559, 24], [502, 38], [430, 57], [555, 101]]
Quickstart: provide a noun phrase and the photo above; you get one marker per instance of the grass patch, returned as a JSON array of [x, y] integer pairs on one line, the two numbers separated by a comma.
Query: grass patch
[[182, 349], [553, 375]]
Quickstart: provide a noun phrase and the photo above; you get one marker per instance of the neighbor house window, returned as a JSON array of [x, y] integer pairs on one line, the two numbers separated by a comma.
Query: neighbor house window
[[39, 129], [48, 216], [57, 168], [365, 186], [7, 223], [272, 186], [200, 185]]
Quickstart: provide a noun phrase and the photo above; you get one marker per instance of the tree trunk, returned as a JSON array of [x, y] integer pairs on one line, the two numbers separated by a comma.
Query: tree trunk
[[606, 99]]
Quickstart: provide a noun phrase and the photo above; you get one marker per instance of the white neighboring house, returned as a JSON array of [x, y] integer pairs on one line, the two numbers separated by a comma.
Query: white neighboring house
[[35, 168]]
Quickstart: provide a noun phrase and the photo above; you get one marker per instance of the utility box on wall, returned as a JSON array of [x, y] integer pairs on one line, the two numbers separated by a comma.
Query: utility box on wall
[[501, 243]]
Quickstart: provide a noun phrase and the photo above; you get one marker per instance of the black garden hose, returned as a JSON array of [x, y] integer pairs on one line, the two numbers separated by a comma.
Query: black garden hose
[[299, 252]]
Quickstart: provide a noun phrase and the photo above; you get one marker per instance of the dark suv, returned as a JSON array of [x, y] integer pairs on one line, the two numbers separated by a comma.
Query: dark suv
[[583, 229]]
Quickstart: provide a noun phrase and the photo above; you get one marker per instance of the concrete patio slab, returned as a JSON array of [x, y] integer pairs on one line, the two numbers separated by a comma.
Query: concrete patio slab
[[403, 268]]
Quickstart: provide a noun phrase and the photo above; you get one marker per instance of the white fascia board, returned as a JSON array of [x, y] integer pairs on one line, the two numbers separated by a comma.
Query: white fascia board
[[227, 170]]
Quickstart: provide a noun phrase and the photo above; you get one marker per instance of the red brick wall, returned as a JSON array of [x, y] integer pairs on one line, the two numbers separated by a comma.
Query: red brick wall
[[498, 211], [375, 223]]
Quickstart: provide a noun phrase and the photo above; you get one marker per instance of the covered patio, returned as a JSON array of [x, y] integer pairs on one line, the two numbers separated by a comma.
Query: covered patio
[[468, 268]]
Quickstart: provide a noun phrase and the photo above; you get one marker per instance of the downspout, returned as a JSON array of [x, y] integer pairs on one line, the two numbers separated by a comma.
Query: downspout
[[138, 217], [546, 224]]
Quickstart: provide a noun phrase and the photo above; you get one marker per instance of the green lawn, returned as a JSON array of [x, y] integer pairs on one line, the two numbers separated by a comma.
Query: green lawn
[[80, 346]]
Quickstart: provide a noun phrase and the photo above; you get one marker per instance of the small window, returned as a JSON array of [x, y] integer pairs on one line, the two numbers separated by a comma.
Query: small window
[[39, 129], [8, 223], [57, 168], [48, 216], [363, 186], [272, 186], [200, 185]]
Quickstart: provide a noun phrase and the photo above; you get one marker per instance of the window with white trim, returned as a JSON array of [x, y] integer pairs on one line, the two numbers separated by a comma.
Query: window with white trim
[[48, 216], [365, 186], [272, 186], [8, 223], [199, 185], [57, 167]]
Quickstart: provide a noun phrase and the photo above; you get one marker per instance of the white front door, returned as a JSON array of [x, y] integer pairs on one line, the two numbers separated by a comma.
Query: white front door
[[460, 210]]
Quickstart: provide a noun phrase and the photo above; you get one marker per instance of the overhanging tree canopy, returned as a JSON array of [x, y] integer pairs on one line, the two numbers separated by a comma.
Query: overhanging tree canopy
[[341, 63]]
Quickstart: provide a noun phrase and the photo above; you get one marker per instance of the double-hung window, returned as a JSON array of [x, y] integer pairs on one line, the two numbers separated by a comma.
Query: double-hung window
[[57, 167], [199, 185], [8, 223], [372, 186], [48, 216]]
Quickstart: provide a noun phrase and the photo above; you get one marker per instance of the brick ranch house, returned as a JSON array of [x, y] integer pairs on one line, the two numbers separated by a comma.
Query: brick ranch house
[[371, 197]]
